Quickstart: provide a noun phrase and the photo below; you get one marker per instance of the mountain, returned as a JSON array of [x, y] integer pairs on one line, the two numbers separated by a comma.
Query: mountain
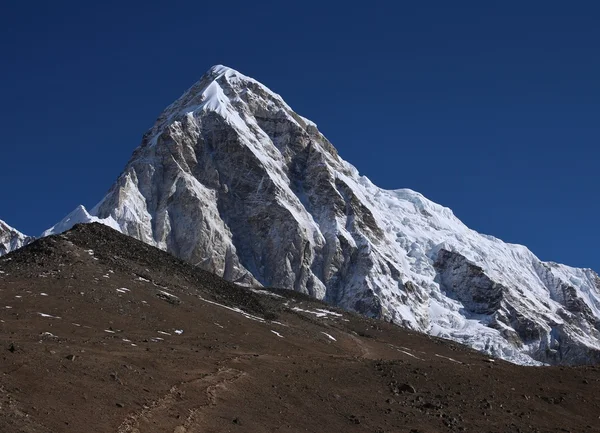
[[79, 216], [232, 180], [100, 332], [11, 239]]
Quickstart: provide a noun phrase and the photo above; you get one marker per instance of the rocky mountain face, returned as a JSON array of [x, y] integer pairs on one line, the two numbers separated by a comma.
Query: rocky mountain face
[[11, 239], [232, 180]]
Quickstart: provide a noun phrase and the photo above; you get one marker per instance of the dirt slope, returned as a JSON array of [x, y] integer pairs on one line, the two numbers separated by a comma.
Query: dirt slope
[[102, 333]]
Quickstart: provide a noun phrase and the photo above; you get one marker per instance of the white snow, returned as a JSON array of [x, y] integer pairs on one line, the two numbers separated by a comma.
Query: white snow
[[329, 312], [122, 290], [319, 312], [48, 334], [235, 309], [170, 295], [266, 293], [178, 331], [450, 359], [50, 316], [79, 215], [277, 333], [329, 336], [411, 355]]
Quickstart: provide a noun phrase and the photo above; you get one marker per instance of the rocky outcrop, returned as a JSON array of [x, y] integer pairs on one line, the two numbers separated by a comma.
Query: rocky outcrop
[[468, 283], [231, 179]]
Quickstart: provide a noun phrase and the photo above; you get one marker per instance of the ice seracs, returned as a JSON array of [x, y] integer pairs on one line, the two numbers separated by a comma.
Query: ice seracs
[[231, 179]]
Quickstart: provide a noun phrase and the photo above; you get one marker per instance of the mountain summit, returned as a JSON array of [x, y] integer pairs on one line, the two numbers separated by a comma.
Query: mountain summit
[[232, 180], [11, 238]]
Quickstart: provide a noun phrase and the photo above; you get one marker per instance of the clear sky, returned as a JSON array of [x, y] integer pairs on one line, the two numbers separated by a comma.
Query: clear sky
[[489, 108]]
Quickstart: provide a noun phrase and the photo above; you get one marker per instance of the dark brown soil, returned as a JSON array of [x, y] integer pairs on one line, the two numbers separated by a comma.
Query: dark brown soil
[[110, 360]]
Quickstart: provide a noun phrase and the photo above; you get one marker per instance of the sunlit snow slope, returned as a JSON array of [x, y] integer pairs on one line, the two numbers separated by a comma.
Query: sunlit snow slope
[[232, 180], [11, 239]]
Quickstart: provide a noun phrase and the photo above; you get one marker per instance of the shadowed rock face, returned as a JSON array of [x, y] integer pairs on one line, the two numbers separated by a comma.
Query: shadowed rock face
[[232, 180], [468, 283]]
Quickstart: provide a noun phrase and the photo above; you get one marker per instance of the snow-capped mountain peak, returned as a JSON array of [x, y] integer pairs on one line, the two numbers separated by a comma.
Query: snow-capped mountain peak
[[79, 215], [231, 179], [11, 238]]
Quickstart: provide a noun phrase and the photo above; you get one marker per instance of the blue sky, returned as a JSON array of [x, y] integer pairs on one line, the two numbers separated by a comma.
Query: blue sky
[[489, 108]]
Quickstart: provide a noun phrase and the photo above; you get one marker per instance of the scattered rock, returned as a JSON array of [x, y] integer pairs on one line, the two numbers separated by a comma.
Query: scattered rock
[[354, 419], [406, 387]]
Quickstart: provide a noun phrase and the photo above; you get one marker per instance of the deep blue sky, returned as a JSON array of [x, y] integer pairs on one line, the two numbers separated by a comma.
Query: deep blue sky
[[489, 108]]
